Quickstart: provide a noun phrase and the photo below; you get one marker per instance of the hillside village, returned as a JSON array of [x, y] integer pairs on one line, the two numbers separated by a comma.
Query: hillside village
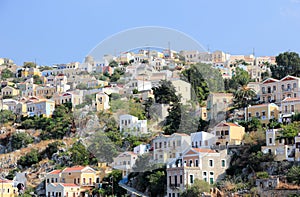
[[152, 123]]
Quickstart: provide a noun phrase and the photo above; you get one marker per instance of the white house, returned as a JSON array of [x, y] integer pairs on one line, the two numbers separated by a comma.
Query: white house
[[125, 161], [203, 139], [140, 149], [62, 189], [132, 125]]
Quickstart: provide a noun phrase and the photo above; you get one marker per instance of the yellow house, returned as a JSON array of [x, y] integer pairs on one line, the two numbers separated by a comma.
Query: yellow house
[[83, 176], [102, 101], [289, 107], [264, 112], [9, 91], [8, 189], [228, 133], [79, 178]]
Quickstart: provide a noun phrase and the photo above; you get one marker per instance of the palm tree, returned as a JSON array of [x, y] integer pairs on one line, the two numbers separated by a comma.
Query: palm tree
[[243, 96]]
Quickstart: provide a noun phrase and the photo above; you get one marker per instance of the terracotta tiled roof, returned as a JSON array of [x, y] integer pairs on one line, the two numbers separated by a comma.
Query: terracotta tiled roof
[[69, 185], [5, 181], [232, 124], [55, 172], [291, 99], [73, 169], [203, 150]]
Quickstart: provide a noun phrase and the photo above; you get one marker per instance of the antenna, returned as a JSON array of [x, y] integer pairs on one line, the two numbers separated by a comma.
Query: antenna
[[169, 49]]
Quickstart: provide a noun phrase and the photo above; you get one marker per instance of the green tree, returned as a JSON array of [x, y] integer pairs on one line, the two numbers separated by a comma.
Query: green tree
[[289, 131], [29, 65], [173, 120], [252, 125], [165, 93], [293, 175], [155, 181], [198, 83], [113, 63], [288, 63], [262, 175], [196, 189], [112, 183], [6, 73], [244, 96], [79, 154], [102, 147], [116, 75], [240, 79], [147, 106], [29, 159], [137, 109], [135, 91], [37, 79], [7, 116], [20, 140]]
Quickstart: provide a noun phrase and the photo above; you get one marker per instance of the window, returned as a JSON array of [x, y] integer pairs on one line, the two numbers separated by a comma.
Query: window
[[191, 163], [249, 115], [295, 95], [257, 114], [191, 179], [211, 181], [170, 180], [274, 88], [294, 85], [175, 178], [180, 179], [197, 163], [270, 140], [292, 108], [165, 144], [223, 163], [211, 163]]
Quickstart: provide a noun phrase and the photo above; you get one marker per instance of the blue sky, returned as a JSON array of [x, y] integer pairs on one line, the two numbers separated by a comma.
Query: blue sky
[[60, 31]]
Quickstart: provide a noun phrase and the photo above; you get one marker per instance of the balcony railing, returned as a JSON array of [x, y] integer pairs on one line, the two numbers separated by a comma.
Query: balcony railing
[[173, 185]]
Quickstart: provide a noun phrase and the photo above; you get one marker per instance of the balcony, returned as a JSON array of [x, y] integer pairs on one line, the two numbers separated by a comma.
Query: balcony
[[174, 186]]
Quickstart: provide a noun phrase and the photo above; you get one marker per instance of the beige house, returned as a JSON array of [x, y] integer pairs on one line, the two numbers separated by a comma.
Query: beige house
[[196, 163], [9, 91], [273, 90], [280, 148], [66, 97], [228, 133], [217, 105], [27, 88], [169, 147], [102, 101], [289, 107], [45, 91], [72, 180], [8, 189], [63, 190], [183, 89], [264, 112], [124, 162]]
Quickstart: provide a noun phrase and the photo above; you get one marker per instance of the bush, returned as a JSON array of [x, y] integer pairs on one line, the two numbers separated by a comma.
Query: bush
[[20, 140], [29, 159]]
